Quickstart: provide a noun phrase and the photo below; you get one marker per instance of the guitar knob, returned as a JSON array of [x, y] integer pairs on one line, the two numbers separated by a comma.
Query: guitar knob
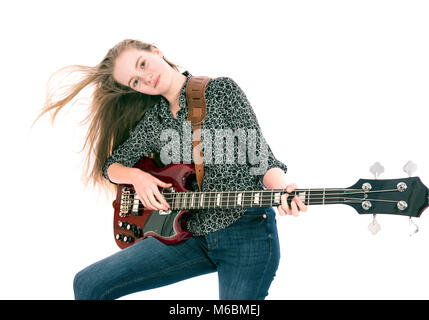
[[119, 236], [138, 232], [122, 224], [128, 239]]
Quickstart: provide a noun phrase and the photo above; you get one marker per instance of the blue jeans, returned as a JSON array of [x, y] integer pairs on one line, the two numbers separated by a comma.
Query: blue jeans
[[245, 255]]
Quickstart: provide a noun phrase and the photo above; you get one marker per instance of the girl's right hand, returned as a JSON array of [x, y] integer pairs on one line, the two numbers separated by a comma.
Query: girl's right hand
[[146, 186]]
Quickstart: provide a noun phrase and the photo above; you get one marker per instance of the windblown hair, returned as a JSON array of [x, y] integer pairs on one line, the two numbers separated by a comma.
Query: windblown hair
[[113, 112]]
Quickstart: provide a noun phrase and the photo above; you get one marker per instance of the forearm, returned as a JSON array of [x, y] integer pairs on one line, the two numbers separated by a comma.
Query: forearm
[[121, 174], [275, 178]]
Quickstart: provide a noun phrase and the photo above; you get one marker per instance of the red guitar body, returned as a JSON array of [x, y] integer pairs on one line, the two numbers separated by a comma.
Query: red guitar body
[[132, 222]]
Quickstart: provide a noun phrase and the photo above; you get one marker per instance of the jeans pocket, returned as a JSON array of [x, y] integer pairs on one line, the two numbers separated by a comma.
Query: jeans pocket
[[255, 213]]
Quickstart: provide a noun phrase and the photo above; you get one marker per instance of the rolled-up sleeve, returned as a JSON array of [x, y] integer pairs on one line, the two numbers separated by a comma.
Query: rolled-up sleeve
[[139, 144], [239, 114]]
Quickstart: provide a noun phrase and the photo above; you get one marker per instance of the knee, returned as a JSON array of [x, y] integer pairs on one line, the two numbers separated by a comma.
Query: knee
[[79, 285], [84, 286]]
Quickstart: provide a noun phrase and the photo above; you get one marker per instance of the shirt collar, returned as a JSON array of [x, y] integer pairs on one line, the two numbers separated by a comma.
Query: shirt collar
[[164, 108]]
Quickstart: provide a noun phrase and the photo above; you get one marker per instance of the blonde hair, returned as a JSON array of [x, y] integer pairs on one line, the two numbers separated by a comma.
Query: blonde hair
[[114, 109]]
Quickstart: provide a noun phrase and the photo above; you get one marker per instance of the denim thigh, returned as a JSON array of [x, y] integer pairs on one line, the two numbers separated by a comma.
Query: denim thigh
[[145, 265], [247, 254]]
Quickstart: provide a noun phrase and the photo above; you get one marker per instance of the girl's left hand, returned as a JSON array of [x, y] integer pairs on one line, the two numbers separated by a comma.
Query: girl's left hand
[[295, 206]]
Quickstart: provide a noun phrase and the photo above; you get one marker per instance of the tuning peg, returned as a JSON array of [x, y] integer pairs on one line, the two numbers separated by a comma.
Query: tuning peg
[[415, 227], [376, 169], [374, 226], [410, 167]]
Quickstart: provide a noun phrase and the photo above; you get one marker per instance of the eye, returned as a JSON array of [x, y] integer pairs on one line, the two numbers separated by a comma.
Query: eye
[[135, 83], [143, 64]]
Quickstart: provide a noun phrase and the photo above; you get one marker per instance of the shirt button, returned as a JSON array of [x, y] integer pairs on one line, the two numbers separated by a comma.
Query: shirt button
[[264, 216]]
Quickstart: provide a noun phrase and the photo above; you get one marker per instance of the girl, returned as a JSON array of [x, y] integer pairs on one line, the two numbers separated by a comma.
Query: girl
[[139, 96]]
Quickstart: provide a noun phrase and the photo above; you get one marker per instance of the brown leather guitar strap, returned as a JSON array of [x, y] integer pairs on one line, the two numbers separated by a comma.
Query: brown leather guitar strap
[[197, 111]]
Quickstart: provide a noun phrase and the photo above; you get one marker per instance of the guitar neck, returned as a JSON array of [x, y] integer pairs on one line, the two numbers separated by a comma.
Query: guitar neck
[[248, 199]]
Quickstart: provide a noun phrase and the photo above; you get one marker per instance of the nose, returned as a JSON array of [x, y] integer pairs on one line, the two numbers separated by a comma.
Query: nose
[[148, 77]]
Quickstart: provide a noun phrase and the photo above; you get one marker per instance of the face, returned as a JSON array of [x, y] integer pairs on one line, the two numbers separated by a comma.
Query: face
[[144, 71]]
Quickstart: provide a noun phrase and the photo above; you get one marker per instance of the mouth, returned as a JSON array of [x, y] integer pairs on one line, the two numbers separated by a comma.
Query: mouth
[[156, 82]]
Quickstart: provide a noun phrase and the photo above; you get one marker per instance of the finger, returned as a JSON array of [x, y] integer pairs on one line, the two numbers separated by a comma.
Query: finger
[[160, 198], [290, 187], [301, 205], [154, 203], [294, 208], [281, 211], [145, 202], [162, 183], [285, 205]]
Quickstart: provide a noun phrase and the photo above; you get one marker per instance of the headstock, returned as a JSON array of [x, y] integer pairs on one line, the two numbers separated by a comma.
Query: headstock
[[405, 197]]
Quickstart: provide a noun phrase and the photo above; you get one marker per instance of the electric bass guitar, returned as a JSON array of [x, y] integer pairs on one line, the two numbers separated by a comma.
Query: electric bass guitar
[[132, 222]]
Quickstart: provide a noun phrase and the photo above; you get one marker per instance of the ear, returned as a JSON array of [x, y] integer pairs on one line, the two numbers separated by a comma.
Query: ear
[[155, 50]]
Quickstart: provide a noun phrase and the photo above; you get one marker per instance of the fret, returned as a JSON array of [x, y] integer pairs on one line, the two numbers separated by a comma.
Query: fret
[[212, 198], [239, 195], [192, 199], [200, 195], [224, 199], [227, 201], [195, 200], [308, 197], [256, 198], [201, 199], [263, 199], [183, 199], [218, 200], [176, 198], [323, 198], [302, 196], [277, 197], [179, 200]]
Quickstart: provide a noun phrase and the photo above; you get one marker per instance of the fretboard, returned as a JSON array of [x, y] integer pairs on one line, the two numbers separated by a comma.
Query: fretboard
[[247, 199]]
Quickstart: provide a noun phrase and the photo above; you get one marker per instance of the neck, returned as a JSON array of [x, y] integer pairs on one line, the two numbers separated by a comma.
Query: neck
[[173, 93], [260, 198]]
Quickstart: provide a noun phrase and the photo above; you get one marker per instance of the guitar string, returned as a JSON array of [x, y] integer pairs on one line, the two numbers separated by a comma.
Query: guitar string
[[260, 205], [295, 192], [269, 203], [249, 193], [247, 201], [266, 191], [213, 195]]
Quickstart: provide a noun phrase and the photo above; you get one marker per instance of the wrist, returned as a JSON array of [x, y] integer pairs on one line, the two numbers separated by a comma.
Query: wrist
[[134, 174]]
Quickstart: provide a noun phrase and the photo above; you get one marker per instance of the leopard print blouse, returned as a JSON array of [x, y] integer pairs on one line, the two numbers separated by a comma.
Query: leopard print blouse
[[229, 113]]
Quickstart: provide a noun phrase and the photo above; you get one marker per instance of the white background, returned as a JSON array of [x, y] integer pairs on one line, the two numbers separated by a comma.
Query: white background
[[336, 86]]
